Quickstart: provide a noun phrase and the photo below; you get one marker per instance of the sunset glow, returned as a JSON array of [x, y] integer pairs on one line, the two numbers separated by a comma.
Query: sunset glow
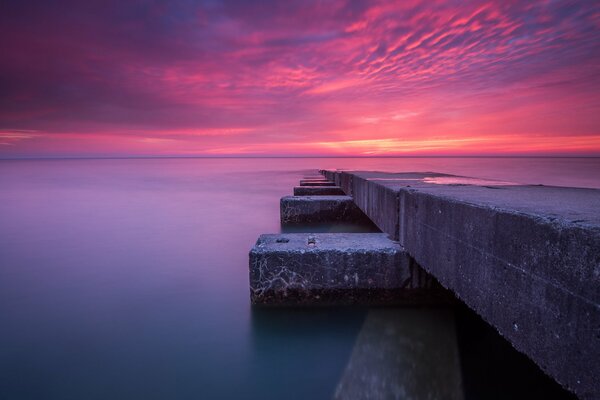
[[338, 78]]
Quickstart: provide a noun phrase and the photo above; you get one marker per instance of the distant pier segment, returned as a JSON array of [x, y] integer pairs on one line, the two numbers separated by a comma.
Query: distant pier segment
[[318, 191], [525, 258], [314, 182], [319, 209]]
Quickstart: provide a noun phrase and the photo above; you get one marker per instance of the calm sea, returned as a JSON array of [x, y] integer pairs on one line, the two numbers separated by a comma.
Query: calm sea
[[128, 278]]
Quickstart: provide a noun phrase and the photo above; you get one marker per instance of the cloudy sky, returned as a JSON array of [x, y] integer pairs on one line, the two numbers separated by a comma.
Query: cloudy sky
[[182, 77]]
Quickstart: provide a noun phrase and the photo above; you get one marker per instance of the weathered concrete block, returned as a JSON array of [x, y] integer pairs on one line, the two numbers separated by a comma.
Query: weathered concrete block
[[525, 258], [318, 191], [319, 209], [304, 182], [336, 268]]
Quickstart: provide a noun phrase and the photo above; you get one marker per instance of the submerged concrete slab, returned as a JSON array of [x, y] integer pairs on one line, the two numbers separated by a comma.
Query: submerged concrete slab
[[319, 209], [404, 353], [304, 182], [337, 268], [526, 258], [318, 191]]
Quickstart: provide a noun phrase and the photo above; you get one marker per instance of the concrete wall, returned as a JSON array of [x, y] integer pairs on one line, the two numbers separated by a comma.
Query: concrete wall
[[531, 279]]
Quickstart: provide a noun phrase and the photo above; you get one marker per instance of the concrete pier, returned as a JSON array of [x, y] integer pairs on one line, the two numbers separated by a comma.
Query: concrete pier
[[525, 258], [337, 268], [318, 191], [319, 209]]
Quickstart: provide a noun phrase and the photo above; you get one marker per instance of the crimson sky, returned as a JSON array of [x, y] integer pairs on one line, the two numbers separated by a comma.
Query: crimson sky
[[102, 78]]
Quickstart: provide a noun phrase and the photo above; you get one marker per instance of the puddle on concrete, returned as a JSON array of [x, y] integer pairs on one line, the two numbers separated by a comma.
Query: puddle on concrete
[[460, 180], [449, 180]]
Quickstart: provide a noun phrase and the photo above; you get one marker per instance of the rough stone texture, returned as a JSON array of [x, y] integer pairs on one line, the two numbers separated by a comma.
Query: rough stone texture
[[319, 209], [305, 182], [404, 353], [337, 268], [318, 191], [526, 258]]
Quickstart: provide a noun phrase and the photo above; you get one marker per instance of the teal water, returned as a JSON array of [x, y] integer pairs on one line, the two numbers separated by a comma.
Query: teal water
[[128, 279]]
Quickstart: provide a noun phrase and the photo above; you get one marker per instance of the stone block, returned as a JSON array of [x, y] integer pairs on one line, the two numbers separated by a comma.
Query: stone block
[[336, 268], [319, 209]]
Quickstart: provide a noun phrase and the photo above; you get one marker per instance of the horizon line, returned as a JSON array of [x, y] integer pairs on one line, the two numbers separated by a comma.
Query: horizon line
[[32, 158]]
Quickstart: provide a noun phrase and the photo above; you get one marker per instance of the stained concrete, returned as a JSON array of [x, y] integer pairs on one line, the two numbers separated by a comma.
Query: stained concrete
[[319, 209], [337, 268], [404, 353], [318, 191], [526, 258]]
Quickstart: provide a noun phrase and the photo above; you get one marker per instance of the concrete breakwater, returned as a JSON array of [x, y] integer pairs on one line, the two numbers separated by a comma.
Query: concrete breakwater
[[525, 258], [400, 353], [334, 268]]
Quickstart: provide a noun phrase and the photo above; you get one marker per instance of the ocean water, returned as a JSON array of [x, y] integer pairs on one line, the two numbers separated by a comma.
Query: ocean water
[[128, 278]]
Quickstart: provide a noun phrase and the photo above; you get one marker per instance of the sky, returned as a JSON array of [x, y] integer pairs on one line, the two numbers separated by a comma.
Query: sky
[[299, 78]]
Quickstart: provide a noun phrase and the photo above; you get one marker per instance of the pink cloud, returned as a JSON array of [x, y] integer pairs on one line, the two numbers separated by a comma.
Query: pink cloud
[[301, 78]]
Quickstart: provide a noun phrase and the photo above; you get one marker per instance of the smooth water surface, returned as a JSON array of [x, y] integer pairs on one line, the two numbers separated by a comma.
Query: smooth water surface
[[128, 279]]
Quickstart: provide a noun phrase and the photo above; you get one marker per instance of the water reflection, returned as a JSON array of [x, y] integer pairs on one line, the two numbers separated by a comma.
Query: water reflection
[[302, 352], [128, 279]]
